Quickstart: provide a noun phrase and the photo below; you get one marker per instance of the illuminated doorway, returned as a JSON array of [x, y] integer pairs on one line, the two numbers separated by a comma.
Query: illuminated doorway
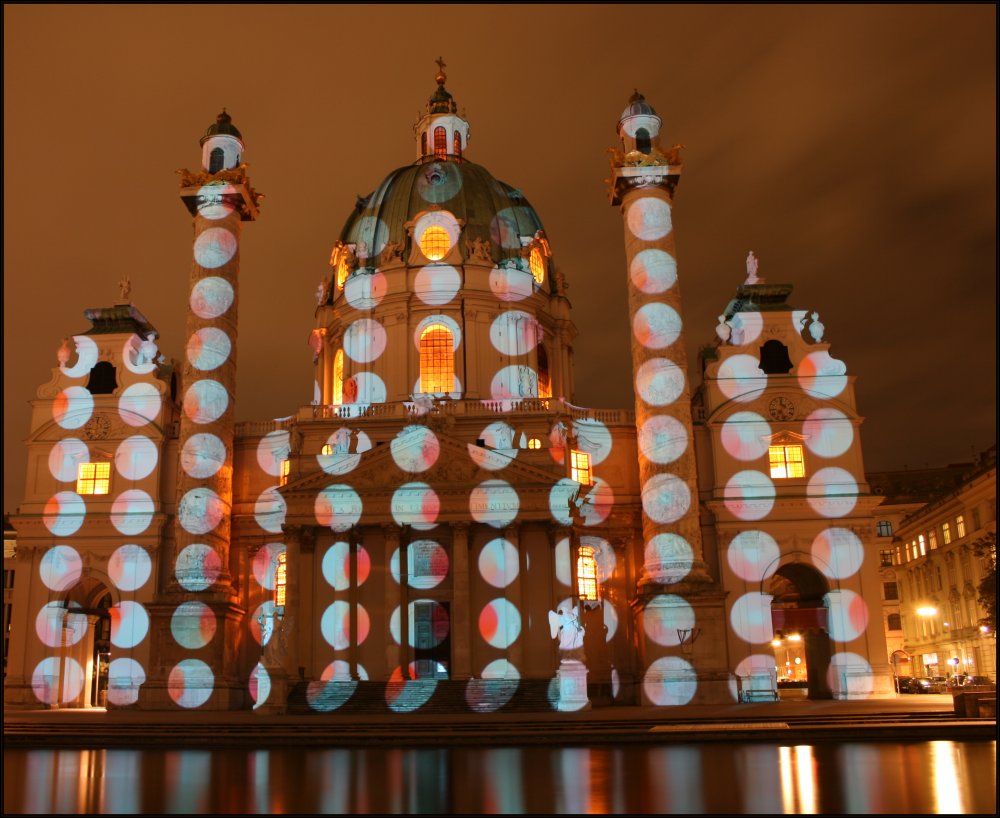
[[801, 640], [85, 645]]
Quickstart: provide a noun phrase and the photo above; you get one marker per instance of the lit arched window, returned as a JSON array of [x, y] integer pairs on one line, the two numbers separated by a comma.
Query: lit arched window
[[338, 377], [580, 467], [437, 359], [586, 574], [342, 272], [216, 160], [435, 243], [440, 142], [280, 580], [642, 141], [458, 144], [423, 144], [537, 263], [544, 378], [286, 468]]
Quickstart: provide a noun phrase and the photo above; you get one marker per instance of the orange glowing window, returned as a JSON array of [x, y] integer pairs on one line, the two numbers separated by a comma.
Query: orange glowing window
[[342, 272], [786, 461], [946, 533], [327, 449], [960, 526], [544, 378], [93, 478], [534, 443], [338, 377], [437, 359], [435, 243], [586, 574], [458, 144], [286, 468], [280, 580], [580, 467], [536, 261], [440, 143]]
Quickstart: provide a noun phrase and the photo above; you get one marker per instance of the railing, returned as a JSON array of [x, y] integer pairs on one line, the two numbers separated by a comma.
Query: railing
[[259, 428]]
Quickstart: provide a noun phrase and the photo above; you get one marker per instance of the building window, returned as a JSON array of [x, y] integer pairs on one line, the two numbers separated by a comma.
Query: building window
[[458, 144], [895, 622], [580, 467], [280, 580], [922, 543], [435, 243], [342, 272], [946, 533], [327, 449], [93, 478], [976, 522], [338, 377], [890, 590], [774, 358], [886, 558], [286, 467], [586, 574], [437, 359], [423, 144], [216, 160], [932, 539], [440, 142], [544, 378], [536, 261], [643, 144], [884, 528], [960, 527], [786, 461], [534, 443]]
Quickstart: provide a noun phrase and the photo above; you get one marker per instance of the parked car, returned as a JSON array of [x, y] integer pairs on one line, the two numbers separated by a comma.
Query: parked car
[[955, 682], [921, 685], [903, 684], [979, 681], [939, 684]]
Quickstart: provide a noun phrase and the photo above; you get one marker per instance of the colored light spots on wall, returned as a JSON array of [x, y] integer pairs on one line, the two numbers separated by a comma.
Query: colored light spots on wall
[[432, 628], [745, 435], [670, 681], [202, 455], [208, 349], [272, 450], [72, 407], [500, 623], [494, 689], [265, 564], [437, 284], [364, 388], [215, 247], [364, 340], [659, 382], [514, 382], [509, 224], [653, 271], [64, 458], [832, 492], [663, 439], [515, 332], [439, 182], [740, 378], [822, 376], [749, 495], [656, 325], [87, 354], [849, 674], [592, 437], [755, 672], [334, 687], [337, 566], [665, 498], [338, 506], [198, 567], [664, 615], [746, 328], [57, 627], [130, 567], [370, 234], [750, 618], [340, 459], [190, 683], [260, 685], [649, 218], [200, 511], [211, 297], [206, 401], [498, 562], [415, 448], [496, 435], [753, 555], [828, 432], [335, 625], [269, 510], [136, 457], [214, 201], [494, 502], [511, 283], [561, 495], [139, 404], [562, 562], [598, 500], [64, 513], [262, 622], [60, 567], [192, 625], [848, 615], [365, 289], [125, 677], [668, 557], [838, 553], [57, 680], [416, 505], [129, 623], [407, 695]]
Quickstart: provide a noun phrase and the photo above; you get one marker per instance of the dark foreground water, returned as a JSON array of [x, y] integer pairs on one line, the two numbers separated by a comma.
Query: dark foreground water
[[943, 777]]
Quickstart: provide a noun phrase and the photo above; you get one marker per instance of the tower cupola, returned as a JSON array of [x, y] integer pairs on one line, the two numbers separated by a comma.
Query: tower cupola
[[222, 145], [639, 126], [441, 133]]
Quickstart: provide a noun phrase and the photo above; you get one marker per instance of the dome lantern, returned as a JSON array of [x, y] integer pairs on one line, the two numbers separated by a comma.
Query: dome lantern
[[639, 125], [441, 133], [222, 145]]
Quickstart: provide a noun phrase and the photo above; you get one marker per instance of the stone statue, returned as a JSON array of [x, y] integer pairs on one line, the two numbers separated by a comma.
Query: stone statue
[[65, 352], [723, 330], [362, 251], [558, 434], [816, 328], [341, 440], [125, 287], [752, 264], [479, 249], [392, 250], [422, 404], [566, 627], [322, 291], [147, 351]]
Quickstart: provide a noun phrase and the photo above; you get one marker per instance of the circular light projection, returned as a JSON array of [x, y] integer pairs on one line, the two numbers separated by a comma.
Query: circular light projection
[[215, 247], [563, 574], [663, 439], [87, 354], [260, 685], [433, 615], [604, 555], [200, 511], [434, 241], [409, 695], [653, 271], [497, 436], [740, 378], [262, 622], [335, 624], [747, 327], [130, 567], [272, 450], [850, 666], [838, 553], [498, 562], [753, 555], [340, 460], [664, 616], [365, 289], [364, 388], [337, 566], [656, 325], [56, 626], [270, 510], [215, 201], [139, 404], [193, 625], [759, 666], [649, 218], [746, 435], [211, 297], [426, 564], [439, 182], [131, 358], [828, 432], [129, 623], [60, 567], [659, 382], [510, 223], [822, 376], [198, 567], [514, 382], [494, 502], [372, 234], [265, 564], [564, 492], [511, 284], [54, 672], [190, 683], [597, 502], [500, 623], [750, 618], [334, 687], [515, 332], [749, 495], [338, 506], [670, 681], [416, 505], [593, 437], [65, 457], [492, 692], [125, 677], [832, 492], [132, 512], [208, 349], [364, 340], [206, 401], [202, 455], [64, 513], [415, 449], [136, 457], [668, 557], [665, 498], [437, 284], [73, 407], [848, 615]]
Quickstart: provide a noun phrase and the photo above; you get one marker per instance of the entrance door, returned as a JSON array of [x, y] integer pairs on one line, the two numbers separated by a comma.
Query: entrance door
[[431, 639]]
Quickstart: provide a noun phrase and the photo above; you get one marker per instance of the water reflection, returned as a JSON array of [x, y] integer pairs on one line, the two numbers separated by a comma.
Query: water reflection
[[940, 777]]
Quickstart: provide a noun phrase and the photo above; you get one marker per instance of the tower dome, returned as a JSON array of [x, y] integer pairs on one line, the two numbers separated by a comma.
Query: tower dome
[[222, 145], [639, 125], [441, 133]]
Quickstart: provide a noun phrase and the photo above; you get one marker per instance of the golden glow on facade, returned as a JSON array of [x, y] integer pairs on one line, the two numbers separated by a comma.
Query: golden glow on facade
[[338, 377], [786, 461], [280, 580], [286, 467], [93, 478], [437, 358], [580, 467], [537, 263], [440, 143], [586, 573], [342, 272], [435, 243]]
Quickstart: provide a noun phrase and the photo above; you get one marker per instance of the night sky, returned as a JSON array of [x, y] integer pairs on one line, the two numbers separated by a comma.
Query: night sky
[[851, 147]]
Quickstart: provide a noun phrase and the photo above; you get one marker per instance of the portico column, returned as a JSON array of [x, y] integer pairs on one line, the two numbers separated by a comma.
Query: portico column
[[461, 620], [515, 652]]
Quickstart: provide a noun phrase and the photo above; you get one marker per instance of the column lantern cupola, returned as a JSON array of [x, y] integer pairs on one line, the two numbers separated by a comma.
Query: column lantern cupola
[[639, 126], [222, 145], [441, 133]]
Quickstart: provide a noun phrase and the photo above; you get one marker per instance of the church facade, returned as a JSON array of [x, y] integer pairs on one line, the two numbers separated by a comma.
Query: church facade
[[442, 527]]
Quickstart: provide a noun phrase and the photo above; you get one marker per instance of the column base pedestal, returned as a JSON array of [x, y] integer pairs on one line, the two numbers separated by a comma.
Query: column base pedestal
[[572, 676]]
